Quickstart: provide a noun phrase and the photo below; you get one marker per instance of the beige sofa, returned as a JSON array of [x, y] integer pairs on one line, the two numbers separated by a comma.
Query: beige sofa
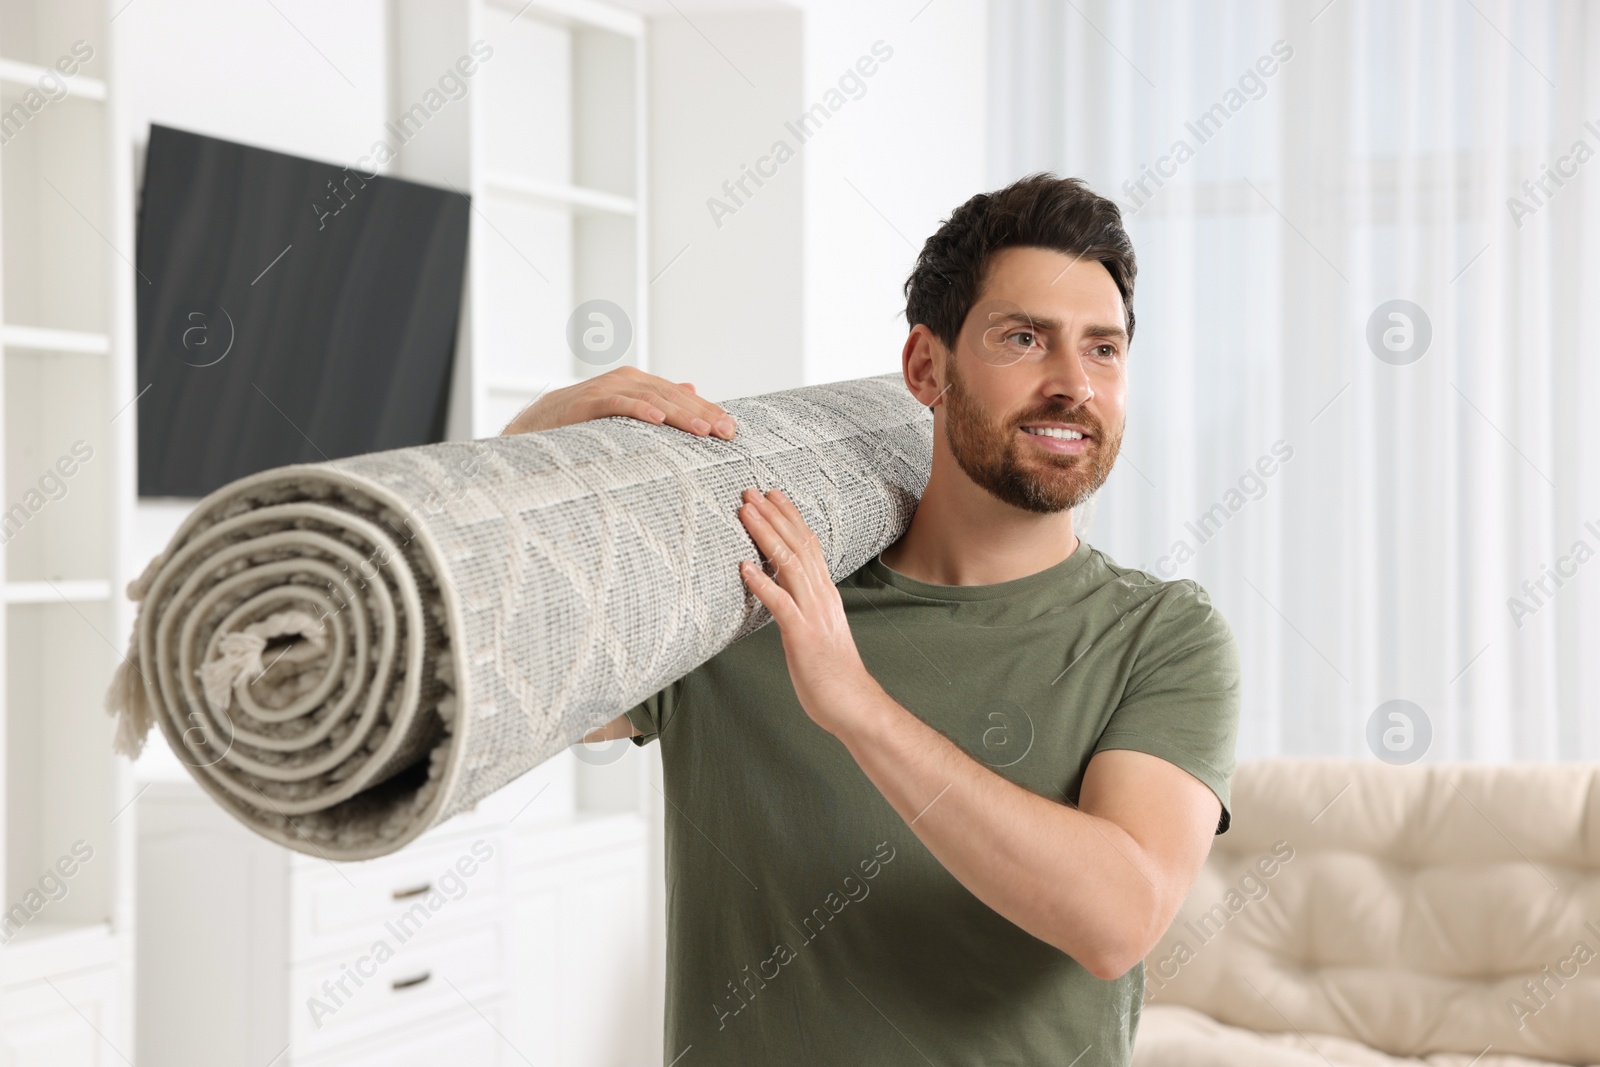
[[1362, 914]]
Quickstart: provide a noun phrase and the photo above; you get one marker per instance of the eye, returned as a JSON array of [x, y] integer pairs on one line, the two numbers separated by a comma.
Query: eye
[[1109, 351], [1030, 338]]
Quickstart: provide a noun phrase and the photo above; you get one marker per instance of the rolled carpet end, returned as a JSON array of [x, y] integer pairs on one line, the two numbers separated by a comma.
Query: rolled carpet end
[[346, 654]]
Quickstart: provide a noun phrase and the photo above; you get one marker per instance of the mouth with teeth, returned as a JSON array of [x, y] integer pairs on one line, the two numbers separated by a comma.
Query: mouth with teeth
[[1058, 438]]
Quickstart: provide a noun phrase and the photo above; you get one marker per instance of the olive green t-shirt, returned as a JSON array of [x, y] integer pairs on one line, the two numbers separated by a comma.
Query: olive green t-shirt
[[806, 921]]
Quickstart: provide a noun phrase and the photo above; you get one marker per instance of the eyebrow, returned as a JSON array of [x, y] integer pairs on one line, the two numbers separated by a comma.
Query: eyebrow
[[1046, 323]]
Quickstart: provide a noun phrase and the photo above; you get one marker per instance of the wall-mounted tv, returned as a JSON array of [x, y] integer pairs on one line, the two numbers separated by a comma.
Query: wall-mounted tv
[[289, 311]]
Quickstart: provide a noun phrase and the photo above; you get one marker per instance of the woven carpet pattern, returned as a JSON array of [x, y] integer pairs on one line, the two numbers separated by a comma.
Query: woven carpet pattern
[[345, 654]]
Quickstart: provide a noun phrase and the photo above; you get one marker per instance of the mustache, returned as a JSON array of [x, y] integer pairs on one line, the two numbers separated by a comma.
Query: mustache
[[1080, 416]]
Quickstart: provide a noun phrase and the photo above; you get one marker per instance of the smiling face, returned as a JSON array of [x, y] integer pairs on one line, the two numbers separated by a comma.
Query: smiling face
[[1043, 348]]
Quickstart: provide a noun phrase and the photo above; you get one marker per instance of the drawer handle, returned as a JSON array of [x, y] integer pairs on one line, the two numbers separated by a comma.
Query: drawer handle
[[414, 891], [415, 980]]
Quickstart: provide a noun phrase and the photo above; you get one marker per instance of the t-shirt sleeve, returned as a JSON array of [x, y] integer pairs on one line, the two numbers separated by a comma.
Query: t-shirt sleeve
[[653, 714], [1181, 703]]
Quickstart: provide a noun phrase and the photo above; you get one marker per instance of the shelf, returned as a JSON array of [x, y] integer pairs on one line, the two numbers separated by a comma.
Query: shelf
[[77, 591], [554, 193], [15, 72], [55, 200], [46, 339], [68, 221], [526, 386], [59, 934], [600, 16], [41, 949]]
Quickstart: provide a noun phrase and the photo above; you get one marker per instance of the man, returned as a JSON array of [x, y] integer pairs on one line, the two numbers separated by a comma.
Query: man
[[940, 812]]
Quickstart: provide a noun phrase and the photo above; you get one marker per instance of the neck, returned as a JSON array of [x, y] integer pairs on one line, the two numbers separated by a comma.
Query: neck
[[961, 535]]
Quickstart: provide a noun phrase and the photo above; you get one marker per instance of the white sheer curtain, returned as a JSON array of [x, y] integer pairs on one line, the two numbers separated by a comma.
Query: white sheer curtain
[[1373, 157]]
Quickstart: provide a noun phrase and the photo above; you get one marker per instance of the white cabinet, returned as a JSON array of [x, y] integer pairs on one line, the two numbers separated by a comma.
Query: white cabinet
[[515, 931], [469, 1036], [362, 993], [580, 970], [63, 1020]]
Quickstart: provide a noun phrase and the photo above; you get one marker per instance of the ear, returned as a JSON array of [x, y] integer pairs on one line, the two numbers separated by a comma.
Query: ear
[[923, 361]]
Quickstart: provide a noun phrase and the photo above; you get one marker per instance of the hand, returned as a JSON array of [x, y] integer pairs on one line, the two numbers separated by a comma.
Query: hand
[[625, 391], [824, 663]]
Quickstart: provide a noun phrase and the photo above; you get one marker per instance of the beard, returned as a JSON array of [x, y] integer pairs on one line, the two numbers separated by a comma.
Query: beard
[[993, 455]]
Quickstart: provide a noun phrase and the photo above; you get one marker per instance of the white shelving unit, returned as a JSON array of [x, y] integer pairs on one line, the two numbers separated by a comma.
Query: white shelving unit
[[551, 147], [550, 144], [546, 950], [65, 227]]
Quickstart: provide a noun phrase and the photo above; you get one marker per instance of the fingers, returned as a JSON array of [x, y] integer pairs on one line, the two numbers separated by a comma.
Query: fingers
[[635, 407], [658, 409], [791, 516], [633, 393], [780, 540], [694, 413], [772, 595], [652, 407], [703, 416], [698, 416], [784, 518]]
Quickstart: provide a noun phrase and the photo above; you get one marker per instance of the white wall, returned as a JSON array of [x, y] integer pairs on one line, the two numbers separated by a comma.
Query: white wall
[[243, 72], [312, 80], [726, 309], [885, 169], [801, 283]]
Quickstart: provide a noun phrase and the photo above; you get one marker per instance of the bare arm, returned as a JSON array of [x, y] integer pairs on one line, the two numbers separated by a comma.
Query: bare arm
[[1101, 882]]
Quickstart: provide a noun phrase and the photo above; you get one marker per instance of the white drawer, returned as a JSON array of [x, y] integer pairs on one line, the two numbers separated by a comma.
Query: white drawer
[[341, 909], [580, 938], [72, 1023], [440, 970], [463, 1037]]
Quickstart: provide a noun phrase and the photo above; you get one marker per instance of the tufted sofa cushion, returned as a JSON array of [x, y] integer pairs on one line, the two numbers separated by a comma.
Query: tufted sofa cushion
[[1358, 909], [1172, 1034]]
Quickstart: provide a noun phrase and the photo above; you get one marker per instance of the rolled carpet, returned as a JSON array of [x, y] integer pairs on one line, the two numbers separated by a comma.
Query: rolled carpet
[[345, 654]]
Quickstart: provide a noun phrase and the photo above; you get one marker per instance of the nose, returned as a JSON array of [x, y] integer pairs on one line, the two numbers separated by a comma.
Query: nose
[[1065, 378]]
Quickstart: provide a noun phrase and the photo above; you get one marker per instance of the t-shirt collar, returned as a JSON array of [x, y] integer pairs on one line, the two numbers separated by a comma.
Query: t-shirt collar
[[1053, 575]]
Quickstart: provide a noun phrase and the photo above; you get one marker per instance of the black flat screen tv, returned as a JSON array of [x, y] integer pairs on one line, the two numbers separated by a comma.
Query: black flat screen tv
[[289, 311]]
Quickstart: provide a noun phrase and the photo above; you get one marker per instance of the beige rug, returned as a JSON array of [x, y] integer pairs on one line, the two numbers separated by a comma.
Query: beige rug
[[346, 654]]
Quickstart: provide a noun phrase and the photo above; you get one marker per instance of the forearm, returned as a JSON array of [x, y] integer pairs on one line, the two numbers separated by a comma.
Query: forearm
[[1074, 880], [1071, 879]]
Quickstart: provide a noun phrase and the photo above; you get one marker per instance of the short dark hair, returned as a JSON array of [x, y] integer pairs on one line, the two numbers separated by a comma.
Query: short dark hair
[[1038, 211]]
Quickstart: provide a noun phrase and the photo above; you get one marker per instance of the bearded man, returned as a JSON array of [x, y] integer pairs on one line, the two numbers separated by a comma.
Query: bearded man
[[939, 812]]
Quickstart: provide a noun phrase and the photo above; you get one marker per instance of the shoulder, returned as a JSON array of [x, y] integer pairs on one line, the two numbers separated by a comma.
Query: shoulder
[[1175, 611]]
